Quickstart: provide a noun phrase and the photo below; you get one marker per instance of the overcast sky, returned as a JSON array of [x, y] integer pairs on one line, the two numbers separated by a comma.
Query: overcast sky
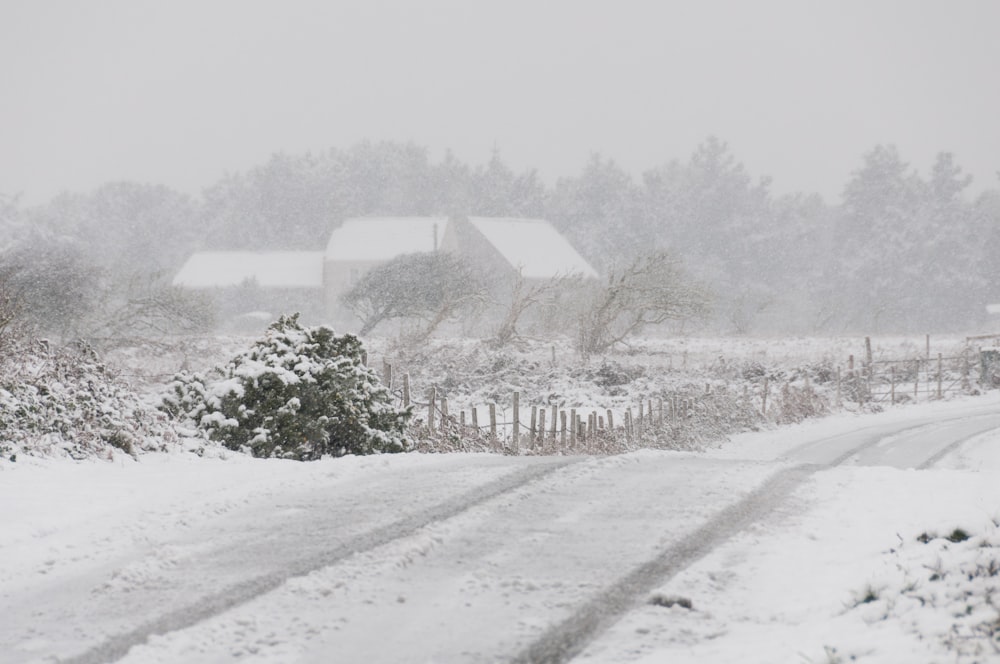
[[178, 92]]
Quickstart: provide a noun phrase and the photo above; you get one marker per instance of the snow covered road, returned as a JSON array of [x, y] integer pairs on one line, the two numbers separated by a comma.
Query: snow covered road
[[456, 558]]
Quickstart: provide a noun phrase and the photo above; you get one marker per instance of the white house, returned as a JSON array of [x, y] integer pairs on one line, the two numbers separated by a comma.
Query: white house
[[366, 242], [531, 246], [267, 269], [315, 280], [251, 287]]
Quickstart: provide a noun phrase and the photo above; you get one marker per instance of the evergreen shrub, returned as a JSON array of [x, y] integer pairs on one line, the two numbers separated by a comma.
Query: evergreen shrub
[[64, 400], [298, 392]]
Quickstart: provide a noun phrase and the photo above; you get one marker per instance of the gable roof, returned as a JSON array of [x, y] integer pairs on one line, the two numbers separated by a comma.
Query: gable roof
[[534, 246], [269, 269], [384, 238]]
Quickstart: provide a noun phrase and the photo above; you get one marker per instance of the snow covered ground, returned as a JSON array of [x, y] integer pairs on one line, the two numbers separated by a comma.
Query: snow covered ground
[[792, 587], [468, 558]]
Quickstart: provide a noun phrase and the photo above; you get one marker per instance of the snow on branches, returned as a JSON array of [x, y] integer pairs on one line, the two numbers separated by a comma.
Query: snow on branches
[[63, 401], [297, 393]]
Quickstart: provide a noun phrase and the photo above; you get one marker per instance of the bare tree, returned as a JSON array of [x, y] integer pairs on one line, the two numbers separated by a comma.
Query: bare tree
[[52, 289], [431, 287], [147, 306], [52, 285], [526, 295], [651, 290], [746, 306], [11, 316]]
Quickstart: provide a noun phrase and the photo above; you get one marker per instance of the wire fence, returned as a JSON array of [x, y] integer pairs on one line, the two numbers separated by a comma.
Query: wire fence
[[685, 419], [908, 380], [675, 420]]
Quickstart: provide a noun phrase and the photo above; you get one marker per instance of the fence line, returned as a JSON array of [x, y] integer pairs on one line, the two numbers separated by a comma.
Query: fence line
[[667, 416], [935, 377], [539, 425]]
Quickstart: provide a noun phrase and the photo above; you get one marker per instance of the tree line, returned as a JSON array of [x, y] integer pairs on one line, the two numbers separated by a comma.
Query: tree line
[[900, 251]]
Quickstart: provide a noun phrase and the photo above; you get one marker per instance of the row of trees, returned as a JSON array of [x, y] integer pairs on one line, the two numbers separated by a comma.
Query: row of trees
[[900, 251], [99, 266], [433, 288]]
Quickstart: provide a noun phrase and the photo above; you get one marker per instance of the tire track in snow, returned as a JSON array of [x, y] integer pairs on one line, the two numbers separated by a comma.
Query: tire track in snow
[[803, 454], [567, 639], [948, 449], [117, 647]]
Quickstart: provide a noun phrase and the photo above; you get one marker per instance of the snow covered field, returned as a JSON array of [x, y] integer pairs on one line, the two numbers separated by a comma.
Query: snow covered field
[[467, 558], [792, 587]]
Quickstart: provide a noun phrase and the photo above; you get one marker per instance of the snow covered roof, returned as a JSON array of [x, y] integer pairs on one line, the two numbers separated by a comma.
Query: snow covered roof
[[534, 246], [270, 269], [383, 238]]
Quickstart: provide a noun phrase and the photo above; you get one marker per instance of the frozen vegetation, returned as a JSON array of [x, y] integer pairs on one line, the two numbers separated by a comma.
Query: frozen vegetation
[[194, 550], [298, 393], [865, 562], [900, 252], [612, 391]]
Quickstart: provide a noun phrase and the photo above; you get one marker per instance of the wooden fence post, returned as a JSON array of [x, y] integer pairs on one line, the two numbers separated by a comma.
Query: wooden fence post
[[572, 426], [517, 419], [461, 419], [475, 419], [444, 412], [406, 390], [534, 424], [387, 375], [430, 409], [562, 435], [541, 425], [868, 351], [493, 421], [930, 390], [611, 421], [939, 377], [965, 368], [555, 411]]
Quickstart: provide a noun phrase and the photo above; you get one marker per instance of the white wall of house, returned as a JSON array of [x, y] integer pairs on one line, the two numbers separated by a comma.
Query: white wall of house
[[497, 246], [360, 245]]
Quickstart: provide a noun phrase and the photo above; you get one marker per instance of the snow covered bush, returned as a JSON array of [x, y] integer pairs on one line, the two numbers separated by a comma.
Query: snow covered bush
[[65, 401], [297, 393], [943, 589]]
